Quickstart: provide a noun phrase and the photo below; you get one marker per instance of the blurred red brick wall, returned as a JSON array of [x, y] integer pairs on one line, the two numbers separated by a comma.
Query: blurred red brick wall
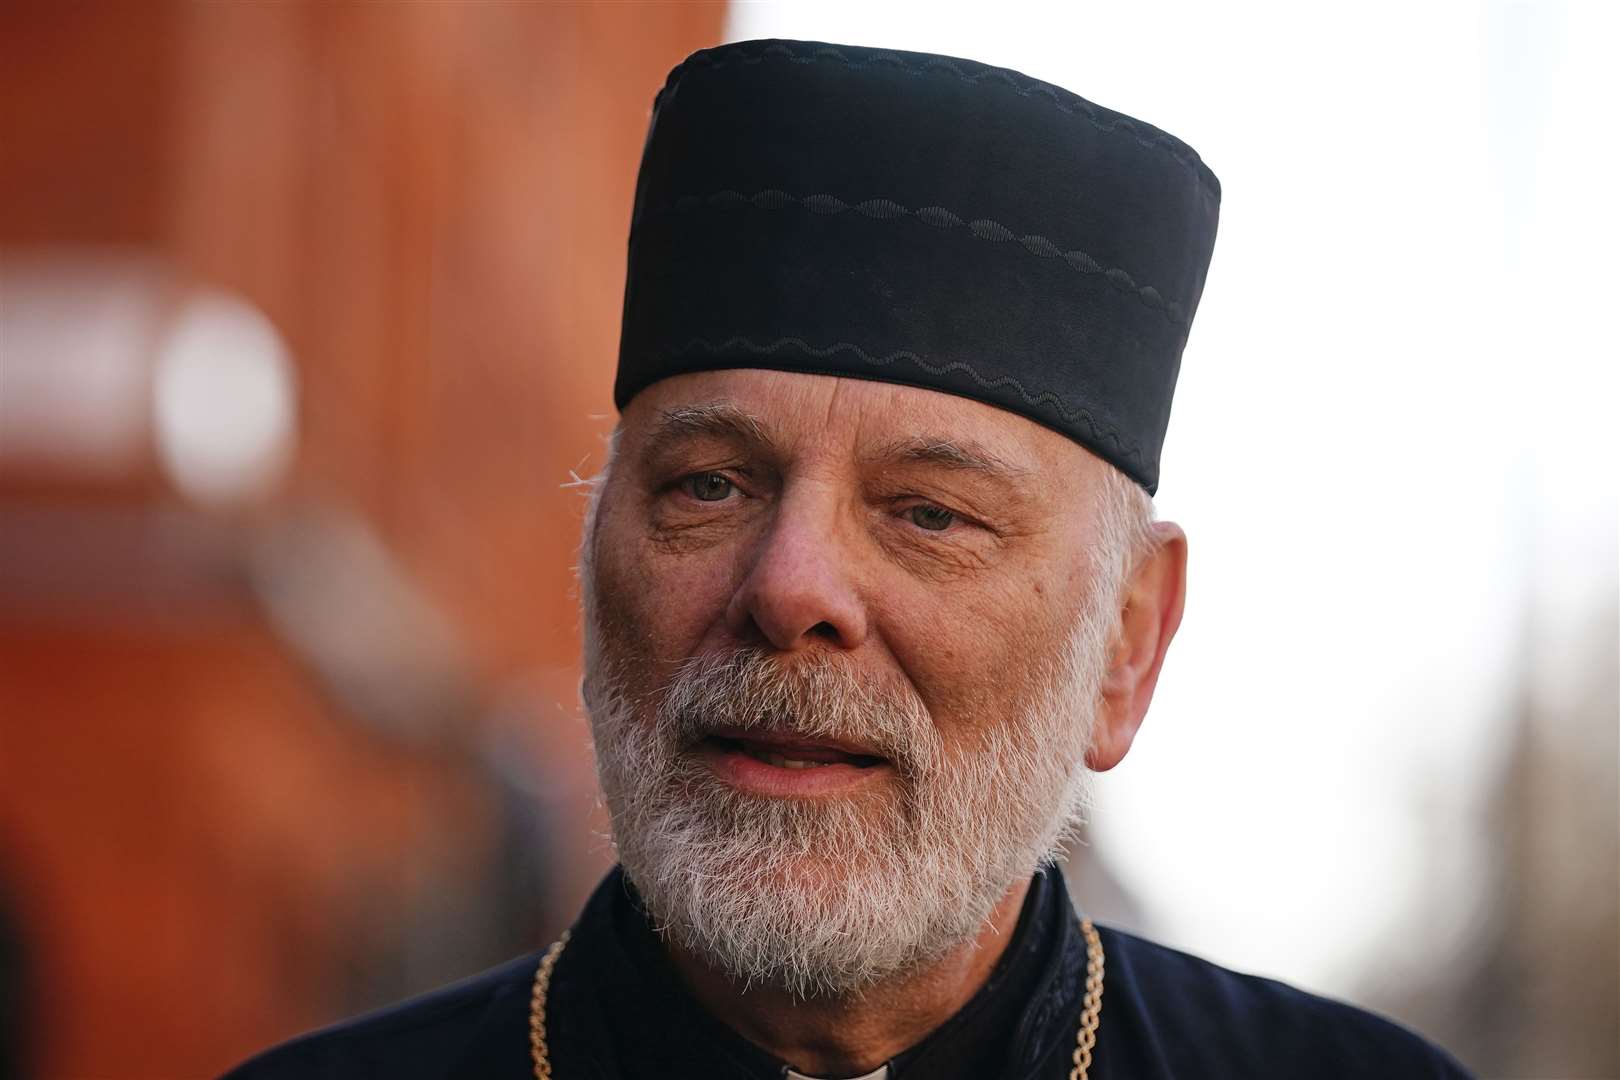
[[431, 202]]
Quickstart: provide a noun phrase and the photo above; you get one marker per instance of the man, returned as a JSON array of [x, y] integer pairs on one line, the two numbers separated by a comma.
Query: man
[[872, 586]]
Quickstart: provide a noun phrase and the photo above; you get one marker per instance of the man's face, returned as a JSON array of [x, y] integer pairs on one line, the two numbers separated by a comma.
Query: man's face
[[843, 644]]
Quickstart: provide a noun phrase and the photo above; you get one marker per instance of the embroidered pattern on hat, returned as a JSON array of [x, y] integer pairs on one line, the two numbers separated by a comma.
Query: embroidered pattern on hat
[[1044, 398], [940, 218]]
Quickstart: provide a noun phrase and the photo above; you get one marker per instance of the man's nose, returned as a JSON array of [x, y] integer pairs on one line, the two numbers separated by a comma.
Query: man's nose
[[799, 588]]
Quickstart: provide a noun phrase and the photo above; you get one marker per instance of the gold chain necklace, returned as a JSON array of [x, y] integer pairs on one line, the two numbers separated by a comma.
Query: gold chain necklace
[[1085, 1039]]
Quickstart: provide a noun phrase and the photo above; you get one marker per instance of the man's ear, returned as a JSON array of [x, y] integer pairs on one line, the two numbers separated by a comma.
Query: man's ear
[[1149, 615]]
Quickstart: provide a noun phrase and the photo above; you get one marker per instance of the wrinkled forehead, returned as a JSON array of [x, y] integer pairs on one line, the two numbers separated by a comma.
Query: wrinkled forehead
[[808, 418]]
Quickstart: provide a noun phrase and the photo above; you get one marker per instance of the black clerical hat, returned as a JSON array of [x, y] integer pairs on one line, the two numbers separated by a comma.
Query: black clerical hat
[[918, 219]]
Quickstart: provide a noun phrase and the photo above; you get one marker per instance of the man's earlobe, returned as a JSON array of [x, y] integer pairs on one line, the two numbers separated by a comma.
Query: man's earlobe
[[1150, 613]]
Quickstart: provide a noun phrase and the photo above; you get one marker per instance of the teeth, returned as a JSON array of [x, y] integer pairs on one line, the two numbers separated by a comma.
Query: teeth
[[784, 762]]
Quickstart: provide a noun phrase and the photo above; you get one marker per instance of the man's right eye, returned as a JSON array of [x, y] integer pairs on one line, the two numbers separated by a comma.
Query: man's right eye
[[707, 486]]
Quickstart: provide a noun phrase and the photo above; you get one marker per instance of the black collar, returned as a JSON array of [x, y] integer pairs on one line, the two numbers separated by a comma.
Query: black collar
[[618, 1009]]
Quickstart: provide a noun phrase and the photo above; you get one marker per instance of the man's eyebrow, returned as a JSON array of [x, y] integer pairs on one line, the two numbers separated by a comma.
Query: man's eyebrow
[[963, 456], [714, 419]]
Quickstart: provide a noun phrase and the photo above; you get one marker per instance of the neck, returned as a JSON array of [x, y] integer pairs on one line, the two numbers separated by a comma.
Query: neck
[[846, 1037]]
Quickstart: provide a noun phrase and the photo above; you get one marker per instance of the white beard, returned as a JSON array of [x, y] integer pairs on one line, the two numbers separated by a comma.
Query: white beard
[[826, 897]]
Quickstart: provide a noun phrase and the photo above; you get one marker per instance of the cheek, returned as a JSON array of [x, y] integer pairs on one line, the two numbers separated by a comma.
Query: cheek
[[978, 658], [654, 607]]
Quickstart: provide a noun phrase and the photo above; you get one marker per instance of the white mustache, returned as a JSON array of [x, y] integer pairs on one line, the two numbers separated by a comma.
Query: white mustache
[[821, 697]]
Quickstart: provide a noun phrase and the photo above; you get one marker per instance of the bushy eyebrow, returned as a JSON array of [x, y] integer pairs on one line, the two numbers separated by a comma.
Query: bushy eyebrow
[[715, 419], [950, 454]]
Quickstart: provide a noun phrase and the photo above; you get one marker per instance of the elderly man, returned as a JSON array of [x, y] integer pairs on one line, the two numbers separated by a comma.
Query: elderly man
[[872, 587]]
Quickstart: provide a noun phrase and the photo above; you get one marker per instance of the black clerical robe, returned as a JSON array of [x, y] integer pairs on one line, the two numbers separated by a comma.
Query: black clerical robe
[[618, 1011]]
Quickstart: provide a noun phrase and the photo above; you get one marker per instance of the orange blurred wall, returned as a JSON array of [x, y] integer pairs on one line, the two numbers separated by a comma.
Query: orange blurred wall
[[430, 201]]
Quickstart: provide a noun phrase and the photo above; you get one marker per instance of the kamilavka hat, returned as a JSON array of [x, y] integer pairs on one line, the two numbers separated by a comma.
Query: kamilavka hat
[[918, 219]]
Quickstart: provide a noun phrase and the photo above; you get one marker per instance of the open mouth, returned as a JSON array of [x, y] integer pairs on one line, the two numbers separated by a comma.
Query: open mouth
[[790, 753], [778, 765]]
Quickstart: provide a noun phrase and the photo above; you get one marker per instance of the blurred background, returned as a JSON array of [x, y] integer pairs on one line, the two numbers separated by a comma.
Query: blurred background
[[308, 315]]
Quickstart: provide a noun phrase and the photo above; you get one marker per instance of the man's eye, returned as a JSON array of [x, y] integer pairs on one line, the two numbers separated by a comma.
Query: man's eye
[[707, 486], [933, 518]]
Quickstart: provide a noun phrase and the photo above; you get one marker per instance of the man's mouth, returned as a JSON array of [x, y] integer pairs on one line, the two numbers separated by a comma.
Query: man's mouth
[[776, 764], [792, 753]]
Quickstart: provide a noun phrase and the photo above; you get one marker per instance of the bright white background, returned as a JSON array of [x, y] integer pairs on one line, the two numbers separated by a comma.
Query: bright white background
[[1393, 445]]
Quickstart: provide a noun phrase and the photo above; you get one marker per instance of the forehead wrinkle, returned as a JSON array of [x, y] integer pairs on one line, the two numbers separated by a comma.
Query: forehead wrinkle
[[725, 420]]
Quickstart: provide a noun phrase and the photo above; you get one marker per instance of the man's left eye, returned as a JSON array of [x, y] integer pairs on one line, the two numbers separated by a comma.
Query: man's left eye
[[930, 517]]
